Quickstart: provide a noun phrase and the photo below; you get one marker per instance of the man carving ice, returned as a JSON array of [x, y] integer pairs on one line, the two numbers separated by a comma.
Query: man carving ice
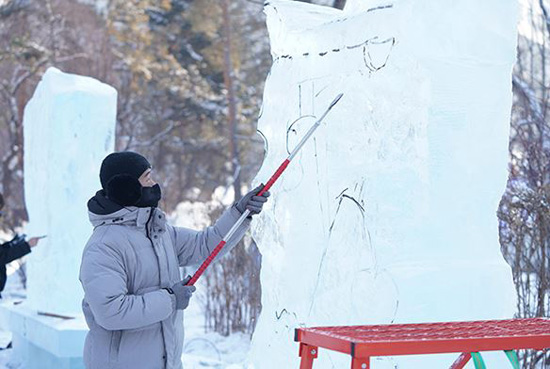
[[133, 293]]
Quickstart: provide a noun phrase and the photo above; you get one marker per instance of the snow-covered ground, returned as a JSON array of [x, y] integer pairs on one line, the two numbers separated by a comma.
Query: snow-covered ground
[[13, 291], [211, 350]]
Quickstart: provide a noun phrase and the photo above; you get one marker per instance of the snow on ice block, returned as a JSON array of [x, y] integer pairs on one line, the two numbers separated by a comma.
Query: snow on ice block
[[41, 342], [388, 214], [69, 128]]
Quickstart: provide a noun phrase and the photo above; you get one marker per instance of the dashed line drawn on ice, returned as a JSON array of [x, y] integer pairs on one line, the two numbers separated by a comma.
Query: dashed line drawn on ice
[[382, 7], [366, 45]]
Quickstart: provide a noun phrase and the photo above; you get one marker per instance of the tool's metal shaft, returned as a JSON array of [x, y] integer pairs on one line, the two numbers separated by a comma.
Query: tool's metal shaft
[[313, 128]]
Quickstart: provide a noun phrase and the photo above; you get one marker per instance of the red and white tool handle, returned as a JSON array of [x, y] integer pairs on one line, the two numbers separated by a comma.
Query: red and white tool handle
[[236, 226], [267, 186]]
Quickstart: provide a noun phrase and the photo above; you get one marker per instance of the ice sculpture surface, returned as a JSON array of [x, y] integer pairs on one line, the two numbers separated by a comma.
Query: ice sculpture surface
[[389, 213], [69, 128]]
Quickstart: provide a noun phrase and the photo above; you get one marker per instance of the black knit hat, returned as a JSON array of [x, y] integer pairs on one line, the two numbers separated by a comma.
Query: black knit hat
[[119, 175]]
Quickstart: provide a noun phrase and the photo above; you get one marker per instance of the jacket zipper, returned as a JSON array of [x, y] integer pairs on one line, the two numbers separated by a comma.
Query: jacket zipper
[[165, 356]]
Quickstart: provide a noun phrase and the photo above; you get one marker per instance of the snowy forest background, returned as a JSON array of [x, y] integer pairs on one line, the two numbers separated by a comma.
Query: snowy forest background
[[190, 78]]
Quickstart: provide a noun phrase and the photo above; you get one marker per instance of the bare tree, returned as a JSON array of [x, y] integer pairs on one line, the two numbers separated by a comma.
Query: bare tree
[[524, 216], [33, 36], [228, 76]]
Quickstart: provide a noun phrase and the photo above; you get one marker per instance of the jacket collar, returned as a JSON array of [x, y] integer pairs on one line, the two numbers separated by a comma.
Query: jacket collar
[[102, 211]]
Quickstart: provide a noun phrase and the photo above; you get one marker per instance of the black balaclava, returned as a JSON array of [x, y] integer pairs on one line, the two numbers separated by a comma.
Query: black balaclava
[[119, 175]]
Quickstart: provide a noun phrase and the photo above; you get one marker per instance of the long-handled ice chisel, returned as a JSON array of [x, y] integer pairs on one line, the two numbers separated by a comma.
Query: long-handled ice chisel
[[267, 186]]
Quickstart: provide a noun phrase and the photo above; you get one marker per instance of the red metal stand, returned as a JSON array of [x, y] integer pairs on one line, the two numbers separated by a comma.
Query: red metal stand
[[307, 353], [358, 363], [461, 361], [364, 342]]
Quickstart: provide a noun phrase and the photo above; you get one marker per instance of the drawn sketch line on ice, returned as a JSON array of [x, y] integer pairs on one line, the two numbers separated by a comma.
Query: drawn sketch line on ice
[[370, 64], [368, 46], [294, 130], [266, 142], [364, 229]]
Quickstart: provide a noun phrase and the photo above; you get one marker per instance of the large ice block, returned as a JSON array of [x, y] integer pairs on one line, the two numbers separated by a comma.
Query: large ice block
[[43, 342], [389, 213], [69, 127]]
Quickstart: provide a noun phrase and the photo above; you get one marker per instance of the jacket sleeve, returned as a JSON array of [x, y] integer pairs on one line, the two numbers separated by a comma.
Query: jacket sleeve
[[104, 281], [193, 247], [9, 252]]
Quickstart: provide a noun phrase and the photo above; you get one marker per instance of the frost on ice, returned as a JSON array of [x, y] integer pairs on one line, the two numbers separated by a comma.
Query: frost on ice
[[69, 128], [388, 215]]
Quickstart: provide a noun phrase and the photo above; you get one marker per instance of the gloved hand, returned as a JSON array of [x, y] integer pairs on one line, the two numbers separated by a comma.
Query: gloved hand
[[183, 293], [252, 202], [16, 241]]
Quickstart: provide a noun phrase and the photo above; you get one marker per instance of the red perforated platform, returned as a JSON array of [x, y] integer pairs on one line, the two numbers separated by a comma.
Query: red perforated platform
[[430, 338]]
